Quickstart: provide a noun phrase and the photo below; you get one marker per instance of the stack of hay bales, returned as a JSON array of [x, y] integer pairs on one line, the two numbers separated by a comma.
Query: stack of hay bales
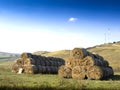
[[30, 63], [83, 64]]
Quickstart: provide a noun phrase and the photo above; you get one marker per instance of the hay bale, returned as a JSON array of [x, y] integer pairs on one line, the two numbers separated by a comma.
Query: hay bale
[[29, 61], [111, 71], [48, 70], [79, 53], [74, 62], [15, 68], [68, 63], [78, 72], [31, 69], [95, 72], [47, 62], [26, 55], [44, 69], [82, 62], [90, 54], [55, 70], [52, 69], [90, 61], [40, 69], [65, 72], [20, 61], [106, 63]]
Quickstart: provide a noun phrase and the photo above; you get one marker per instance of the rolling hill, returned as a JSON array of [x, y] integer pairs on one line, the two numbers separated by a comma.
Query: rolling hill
[[4, 56], [62, 53], [110, 52]]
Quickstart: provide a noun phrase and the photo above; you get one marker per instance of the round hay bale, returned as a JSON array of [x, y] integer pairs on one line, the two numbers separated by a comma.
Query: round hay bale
[[15, 68], [48, 69], [90, 54], [111, 72], [95, 72], [62, 61], [55, 70], [82, 62], [43, 63], [31, 69], [65, 72], [76, 63], [52, 69], [54, 64], [29, 61], [90, 61], [79, 53], [48, 63], [20, 61], [106, 63], [78, 72], [69, 63], [26, 55], [40, 69], [39, 59], [44, 69]]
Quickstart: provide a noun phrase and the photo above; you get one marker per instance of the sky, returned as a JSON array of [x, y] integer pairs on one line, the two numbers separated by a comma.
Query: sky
[[52, 25]]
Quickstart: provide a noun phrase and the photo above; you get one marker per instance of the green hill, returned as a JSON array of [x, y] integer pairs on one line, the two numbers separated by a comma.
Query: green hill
[[110, 52], [62, 53], [4, 56]]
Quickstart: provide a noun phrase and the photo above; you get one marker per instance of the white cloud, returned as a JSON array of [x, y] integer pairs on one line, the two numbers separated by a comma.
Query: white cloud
[[72, 19]]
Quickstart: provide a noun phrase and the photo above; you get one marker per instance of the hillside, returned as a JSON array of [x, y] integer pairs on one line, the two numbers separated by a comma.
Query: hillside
[[62, 53], [41, 52], [4, 56], [110, 51]]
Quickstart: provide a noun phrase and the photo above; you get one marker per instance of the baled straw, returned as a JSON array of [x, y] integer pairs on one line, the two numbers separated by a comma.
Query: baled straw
[[26, 55], [95, 72], [78, 72], [15, 68], [19, 61], [65, 72], [29, 61], [31, 69], [79, 53], [90, 61]]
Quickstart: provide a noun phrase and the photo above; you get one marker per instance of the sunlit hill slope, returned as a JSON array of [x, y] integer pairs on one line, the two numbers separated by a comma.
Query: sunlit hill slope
[[110, 52]]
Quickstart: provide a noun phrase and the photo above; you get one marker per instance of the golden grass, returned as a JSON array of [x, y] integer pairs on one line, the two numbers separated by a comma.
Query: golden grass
[[110, 52]]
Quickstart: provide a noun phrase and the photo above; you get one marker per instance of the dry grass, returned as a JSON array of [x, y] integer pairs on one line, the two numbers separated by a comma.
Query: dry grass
[[12, 81], [110, 52]]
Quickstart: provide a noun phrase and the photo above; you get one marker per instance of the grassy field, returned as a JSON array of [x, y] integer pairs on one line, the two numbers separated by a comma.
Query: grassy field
[[13, 81]]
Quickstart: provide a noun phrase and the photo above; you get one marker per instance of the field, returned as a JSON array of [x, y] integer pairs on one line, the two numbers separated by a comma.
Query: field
[[13, 81]]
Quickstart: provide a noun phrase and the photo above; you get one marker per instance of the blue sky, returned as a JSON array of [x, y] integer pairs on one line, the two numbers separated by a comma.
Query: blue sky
[[34, 25]]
